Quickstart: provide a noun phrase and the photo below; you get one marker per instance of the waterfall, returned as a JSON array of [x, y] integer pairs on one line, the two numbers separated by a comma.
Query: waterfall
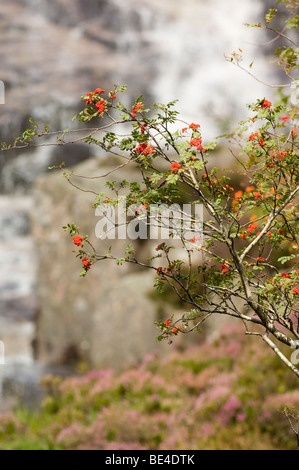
[[186, 44]]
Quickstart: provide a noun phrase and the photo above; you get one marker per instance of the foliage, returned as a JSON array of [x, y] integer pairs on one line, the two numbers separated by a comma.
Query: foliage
[[246, 266], [224, 395]]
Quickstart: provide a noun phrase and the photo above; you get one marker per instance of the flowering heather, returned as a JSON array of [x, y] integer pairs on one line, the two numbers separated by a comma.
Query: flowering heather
[[203, 398], [230, 410]]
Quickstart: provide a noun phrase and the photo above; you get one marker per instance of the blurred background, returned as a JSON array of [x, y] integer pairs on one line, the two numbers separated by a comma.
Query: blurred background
[[51, 54]]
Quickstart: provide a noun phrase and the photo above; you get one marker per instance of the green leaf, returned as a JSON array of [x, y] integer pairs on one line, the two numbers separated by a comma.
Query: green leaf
[[269, 16], [129, 249], [285, 259], [211, 146], [172, 179]]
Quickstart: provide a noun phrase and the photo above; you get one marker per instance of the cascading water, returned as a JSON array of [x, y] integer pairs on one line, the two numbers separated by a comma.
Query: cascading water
[[188, 42]]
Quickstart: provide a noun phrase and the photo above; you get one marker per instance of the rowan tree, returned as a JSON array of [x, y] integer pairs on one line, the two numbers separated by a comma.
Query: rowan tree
[[244, 263]]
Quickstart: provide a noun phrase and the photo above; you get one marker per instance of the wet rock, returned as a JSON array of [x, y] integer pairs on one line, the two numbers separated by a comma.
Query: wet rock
[[69, 154], [21, 308]]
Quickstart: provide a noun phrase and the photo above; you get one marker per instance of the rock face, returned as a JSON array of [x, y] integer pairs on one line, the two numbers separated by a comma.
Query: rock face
[[106, 318], [51, 54]]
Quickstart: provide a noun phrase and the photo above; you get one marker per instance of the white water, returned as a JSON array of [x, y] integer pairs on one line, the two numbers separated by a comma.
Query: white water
[[18, 263], [189, 41]]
